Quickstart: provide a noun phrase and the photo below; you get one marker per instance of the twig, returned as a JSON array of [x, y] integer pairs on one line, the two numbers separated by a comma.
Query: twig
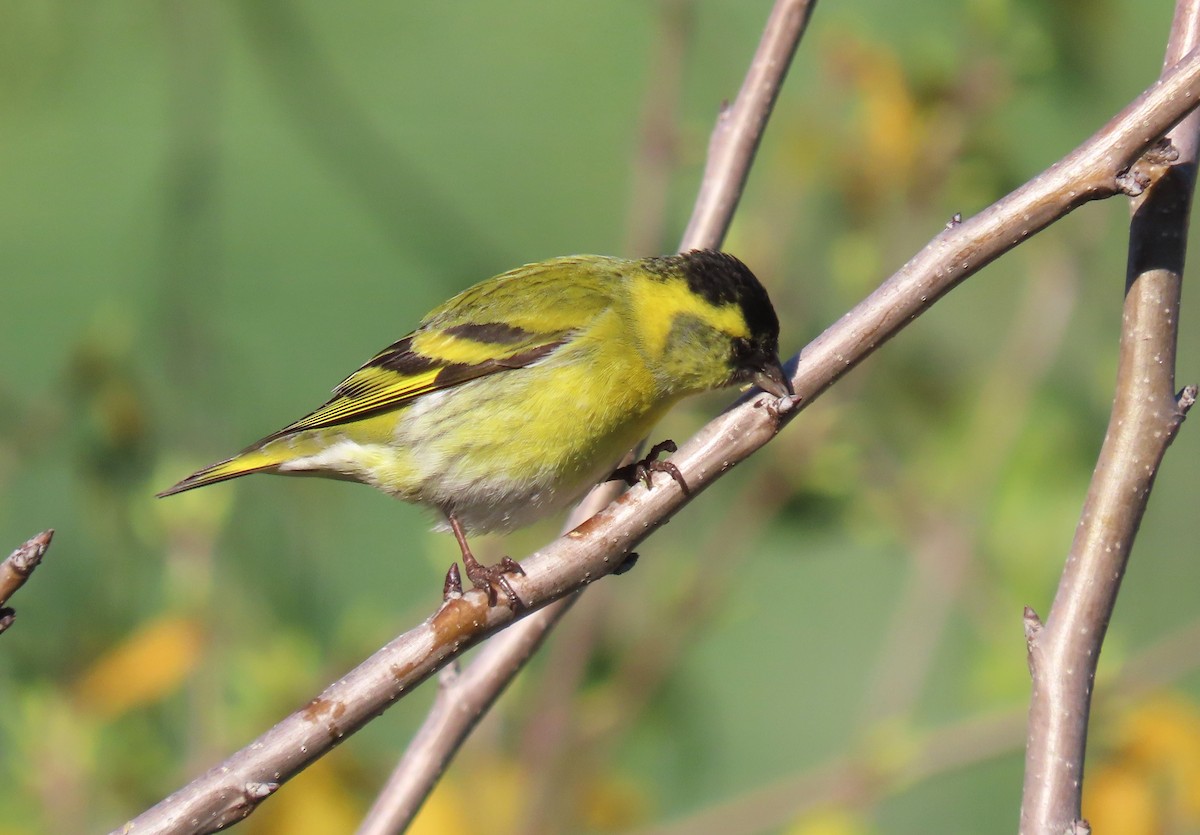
[[230, 790], [1146, 415], [461, 701], [734, 142], [739, 128], [15, 570]]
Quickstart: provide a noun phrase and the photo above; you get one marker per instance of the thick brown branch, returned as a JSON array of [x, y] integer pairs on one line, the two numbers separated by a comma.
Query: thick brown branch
[[600, 545], [1146, 414]]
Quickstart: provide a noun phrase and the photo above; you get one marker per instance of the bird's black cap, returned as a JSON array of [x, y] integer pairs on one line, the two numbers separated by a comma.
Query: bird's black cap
[[721, 279]]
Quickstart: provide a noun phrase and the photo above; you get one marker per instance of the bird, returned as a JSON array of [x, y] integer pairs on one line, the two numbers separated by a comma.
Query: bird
[[512, 399]]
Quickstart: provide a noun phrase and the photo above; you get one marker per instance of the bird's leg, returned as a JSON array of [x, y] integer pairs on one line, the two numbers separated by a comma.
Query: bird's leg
[[631, 474], [487, 578]]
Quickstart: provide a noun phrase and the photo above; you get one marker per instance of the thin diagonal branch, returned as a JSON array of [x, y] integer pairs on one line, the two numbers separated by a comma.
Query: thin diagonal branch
[[739, 128], [1096, 169], [1146, 415]]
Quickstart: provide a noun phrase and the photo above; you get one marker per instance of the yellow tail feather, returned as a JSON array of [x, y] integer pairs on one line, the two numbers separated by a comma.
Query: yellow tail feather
[[253, 461]]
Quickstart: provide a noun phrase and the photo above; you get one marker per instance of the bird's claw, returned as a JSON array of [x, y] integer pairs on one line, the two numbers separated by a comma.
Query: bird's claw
[[491, 578], [641, 470]]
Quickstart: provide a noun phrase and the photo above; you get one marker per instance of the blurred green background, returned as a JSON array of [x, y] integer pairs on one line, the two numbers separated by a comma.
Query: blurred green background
[[211, 212]]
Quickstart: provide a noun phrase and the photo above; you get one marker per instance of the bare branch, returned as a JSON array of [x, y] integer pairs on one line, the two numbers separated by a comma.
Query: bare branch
[[601, 544], [15, 570], [1146, 414], [739, 128], [461, 702]]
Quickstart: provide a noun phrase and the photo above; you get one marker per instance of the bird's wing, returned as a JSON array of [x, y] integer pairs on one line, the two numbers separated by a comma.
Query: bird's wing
[[401, 373], [480, 332]]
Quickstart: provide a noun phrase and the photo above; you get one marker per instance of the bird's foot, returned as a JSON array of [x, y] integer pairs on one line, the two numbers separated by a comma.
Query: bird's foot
[[487, 578], [641, 471], [494, 578]]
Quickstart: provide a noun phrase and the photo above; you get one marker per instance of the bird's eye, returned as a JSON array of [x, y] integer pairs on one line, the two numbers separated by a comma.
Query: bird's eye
[[742, 349]]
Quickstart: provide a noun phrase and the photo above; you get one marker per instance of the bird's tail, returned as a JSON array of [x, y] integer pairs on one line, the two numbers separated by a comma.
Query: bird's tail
[[264, 459]]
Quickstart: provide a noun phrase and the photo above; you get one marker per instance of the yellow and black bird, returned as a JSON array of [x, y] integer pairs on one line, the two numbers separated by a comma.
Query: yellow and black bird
[[513, 398]]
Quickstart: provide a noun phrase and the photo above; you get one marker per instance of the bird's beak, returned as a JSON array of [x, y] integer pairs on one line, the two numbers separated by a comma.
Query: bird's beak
[[772, 379]]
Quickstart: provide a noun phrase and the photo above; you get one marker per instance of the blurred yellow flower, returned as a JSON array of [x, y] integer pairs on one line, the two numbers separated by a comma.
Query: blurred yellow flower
[[1151, 781], [477, 787], [835, 821], [148, 665]]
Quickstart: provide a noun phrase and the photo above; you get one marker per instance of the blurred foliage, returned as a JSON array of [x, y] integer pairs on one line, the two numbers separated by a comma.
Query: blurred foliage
[[210, 213]]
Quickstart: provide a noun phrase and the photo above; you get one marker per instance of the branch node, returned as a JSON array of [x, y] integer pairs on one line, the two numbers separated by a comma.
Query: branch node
[[1162, 153], [1033, 624], [15, 570], [448, 675], [257, 792], [452, 588], [1033, 629], [626, 564], [955, 220], [1148, 169], [1185, 400], [1078, 827], [1133, 182], [1183, 404], [26, 557]]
